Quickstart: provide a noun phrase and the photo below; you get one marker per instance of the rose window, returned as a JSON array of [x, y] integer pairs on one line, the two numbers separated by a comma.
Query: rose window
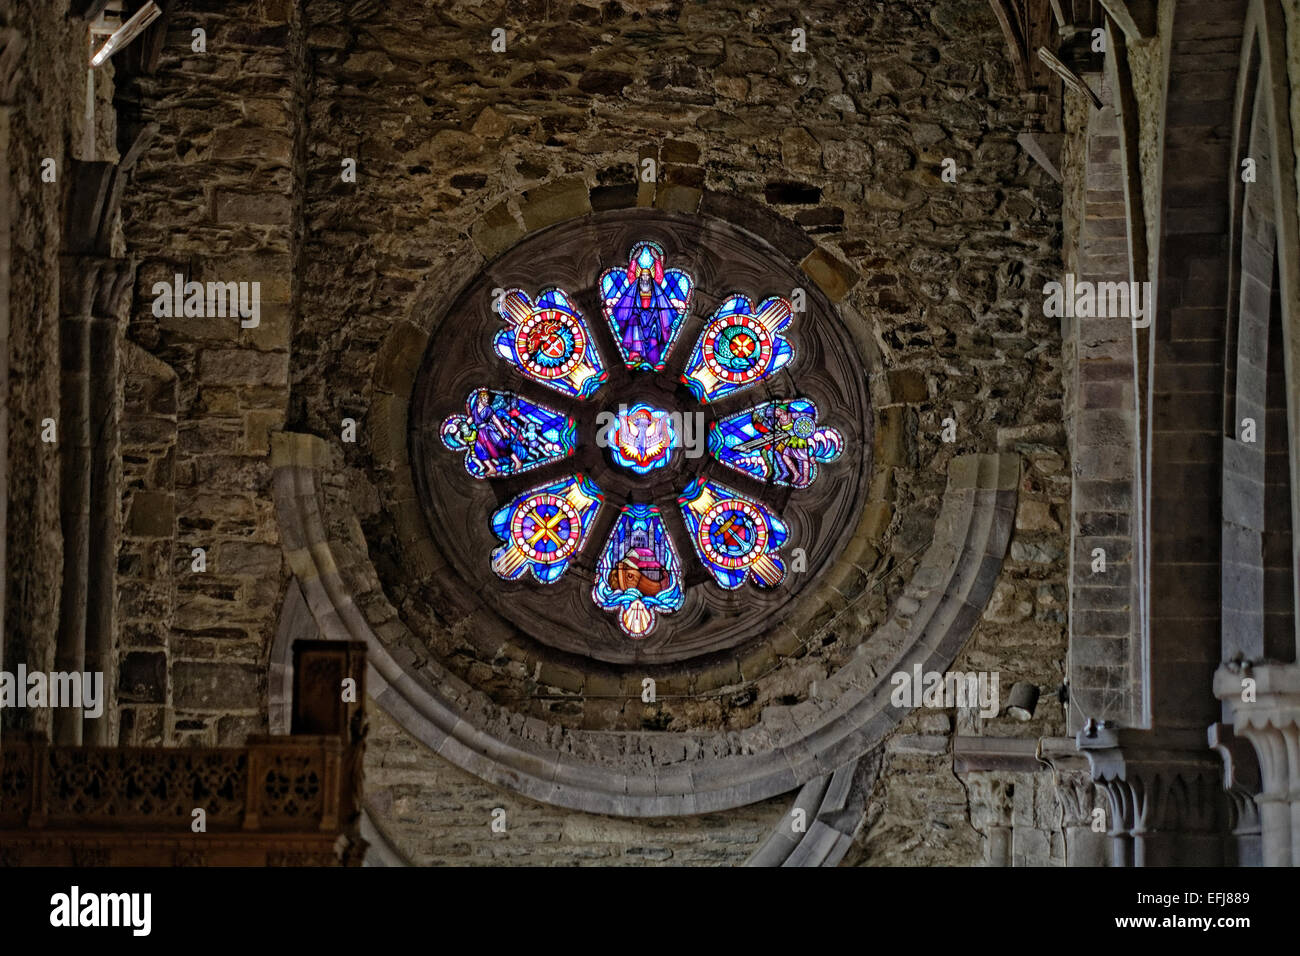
[[639, 572], [636, 436]]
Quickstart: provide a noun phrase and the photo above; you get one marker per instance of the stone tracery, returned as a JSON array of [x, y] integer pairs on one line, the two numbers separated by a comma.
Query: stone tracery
[[735, 537], [666, 433]]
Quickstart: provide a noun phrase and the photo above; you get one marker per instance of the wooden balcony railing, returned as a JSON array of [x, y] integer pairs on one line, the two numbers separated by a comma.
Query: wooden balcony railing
[[278, 800]]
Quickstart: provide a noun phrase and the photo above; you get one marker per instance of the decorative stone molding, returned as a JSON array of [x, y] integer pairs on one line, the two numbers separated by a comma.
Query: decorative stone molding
[[1271, 722], [1166, 802], [827, 826], [1240, 783], [650, 774]]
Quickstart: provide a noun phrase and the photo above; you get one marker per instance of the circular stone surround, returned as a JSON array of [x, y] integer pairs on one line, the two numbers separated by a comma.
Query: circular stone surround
[[828, 368]]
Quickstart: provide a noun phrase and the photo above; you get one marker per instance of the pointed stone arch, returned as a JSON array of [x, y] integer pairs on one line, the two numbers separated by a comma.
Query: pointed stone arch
[[1261, 507]]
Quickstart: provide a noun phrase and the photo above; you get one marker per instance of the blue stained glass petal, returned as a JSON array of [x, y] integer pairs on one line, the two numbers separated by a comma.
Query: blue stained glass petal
[[503, 434], [734, 536], [548, 341], [638, 575], [740, 346], [542, 530], [780, 442]]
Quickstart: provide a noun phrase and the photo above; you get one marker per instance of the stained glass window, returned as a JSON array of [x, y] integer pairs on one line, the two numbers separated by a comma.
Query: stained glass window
[[543, 529], [548, 341], [733, 535], [503, 434], [780, 442], [638, 575], [645, 305], [643, 438], [739, 347]]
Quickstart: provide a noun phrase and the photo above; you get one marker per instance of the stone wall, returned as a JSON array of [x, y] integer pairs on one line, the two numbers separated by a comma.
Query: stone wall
[[846, 139], [435, 814], [215, 198], [46, 122]]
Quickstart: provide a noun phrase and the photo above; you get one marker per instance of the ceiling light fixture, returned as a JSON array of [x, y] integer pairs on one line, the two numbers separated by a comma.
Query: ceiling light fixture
[[127, 32]]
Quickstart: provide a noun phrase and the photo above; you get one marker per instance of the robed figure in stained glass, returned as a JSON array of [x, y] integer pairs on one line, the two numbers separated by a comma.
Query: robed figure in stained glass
[[503, 434], [645, 305], [777, 441]]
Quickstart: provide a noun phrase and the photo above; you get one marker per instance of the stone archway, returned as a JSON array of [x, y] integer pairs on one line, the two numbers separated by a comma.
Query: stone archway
[[1259, 683]]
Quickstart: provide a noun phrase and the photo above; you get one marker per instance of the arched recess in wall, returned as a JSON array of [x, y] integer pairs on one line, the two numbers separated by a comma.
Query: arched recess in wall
[[1261, 564], [367, 589], [1180, 791], [1183, 488]]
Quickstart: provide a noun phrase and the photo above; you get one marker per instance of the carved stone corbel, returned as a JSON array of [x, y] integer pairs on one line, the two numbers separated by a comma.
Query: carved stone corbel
[[1167, 805], [1078, 797]]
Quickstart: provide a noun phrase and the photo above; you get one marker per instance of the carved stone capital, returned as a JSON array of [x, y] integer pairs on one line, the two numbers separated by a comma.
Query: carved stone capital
[[1240, 775], [1263, 702], [1240, 784], [1167, 806], [1076, 792]]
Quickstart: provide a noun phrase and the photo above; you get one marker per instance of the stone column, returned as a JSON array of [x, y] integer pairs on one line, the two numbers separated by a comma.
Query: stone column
[[10, 46], [1269, 718], [1166, 803], [94, 293], [113, 290], [75, 303]]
